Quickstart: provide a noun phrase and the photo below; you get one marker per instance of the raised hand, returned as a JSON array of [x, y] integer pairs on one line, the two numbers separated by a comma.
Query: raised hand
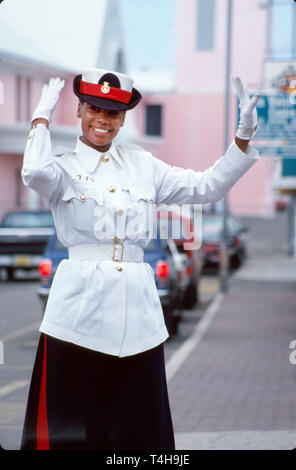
[[49, 98], [248, 114]]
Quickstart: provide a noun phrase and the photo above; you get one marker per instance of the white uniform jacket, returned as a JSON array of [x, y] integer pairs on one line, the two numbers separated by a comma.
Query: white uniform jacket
[[92, 303]]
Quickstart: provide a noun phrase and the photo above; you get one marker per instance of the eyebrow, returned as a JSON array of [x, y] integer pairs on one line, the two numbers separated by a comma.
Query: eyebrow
[[95, 107]]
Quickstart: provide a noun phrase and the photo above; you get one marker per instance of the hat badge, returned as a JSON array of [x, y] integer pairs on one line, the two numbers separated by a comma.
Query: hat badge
[[105, 88]]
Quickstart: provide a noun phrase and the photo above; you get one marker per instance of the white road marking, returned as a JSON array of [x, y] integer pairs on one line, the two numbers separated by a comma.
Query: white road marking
[[177, 359], [12, 387], [20, 332]]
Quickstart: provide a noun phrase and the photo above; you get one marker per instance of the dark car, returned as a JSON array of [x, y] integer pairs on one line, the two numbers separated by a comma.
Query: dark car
[[54, 253], [23, 237], [158, 254], [184, 239], [212, 236]]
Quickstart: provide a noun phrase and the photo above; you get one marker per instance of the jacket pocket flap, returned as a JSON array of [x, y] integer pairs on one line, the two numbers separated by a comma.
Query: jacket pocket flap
[[82, 193]]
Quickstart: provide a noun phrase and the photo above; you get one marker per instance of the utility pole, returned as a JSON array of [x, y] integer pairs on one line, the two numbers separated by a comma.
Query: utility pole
[[224, 258]]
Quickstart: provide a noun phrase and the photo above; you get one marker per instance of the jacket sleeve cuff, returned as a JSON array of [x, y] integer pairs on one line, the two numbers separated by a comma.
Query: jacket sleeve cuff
[[251, 151]]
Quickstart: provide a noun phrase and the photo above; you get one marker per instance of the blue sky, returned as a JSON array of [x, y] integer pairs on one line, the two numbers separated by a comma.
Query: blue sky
[[283, 23], [149, 32], [61, 30]]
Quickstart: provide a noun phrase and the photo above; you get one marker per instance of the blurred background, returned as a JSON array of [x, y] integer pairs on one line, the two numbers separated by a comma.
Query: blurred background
[[181, 54]]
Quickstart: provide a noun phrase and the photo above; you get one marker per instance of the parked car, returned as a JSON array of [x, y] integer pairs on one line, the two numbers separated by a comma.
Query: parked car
[[186, 234], [23, 237], [158, 254], [183, 268], [53, 254], [212, 236], [281, 203]]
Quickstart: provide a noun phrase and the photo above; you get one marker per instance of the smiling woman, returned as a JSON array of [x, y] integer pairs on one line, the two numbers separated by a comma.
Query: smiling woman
[[99, 126]]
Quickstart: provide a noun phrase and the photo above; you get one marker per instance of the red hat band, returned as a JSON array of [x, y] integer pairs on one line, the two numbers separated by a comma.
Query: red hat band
[[105, 91]]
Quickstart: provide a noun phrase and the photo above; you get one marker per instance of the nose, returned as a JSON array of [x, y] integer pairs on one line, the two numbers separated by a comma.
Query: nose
[[103, 116]]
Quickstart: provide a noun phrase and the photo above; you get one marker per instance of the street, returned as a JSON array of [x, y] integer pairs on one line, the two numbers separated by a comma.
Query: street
[[192, 397]]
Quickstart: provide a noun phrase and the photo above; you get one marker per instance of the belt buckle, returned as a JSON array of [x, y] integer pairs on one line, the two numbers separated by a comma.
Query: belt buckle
[[117, 242]]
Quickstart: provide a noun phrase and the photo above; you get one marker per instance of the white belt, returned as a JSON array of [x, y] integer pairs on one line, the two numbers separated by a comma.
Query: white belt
[[107, 251]]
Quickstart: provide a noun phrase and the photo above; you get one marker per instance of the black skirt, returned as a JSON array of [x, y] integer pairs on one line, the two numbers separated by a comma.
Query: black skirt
[[82, 399]]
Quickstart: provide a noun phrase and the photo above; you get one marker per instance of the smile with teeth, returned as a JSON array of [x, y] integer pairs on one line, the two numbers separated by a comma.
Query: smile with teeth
[[99, 130]]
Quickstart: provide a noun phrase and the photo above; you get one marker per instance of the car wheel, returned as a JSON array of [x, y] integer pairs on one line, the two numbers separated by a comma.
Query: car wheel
[[10, 274], [190, 297], [169, 319], [235, 262], [176, 317]]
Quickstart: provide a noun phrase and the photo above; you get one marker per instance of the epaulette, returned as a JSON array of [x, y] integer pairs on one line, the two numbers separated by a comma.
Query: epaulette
[[60, 151], [129, 146]]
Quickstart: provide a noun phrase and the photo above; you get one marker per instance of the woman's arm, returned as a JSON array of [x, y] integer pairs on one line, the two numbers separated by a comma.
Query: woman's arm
[[39, 170], [177, 185]]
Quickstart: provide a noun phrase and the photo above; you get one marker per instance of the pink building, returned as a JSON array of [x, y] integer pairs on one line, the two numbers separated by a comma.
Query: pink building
[[183, 122]]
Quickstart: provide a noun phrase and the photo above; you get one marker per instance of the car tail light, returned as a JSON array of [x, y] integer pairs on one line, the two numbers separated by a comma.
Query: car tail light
[[45, 267], [210, 247], [189, 270], [162, 269]]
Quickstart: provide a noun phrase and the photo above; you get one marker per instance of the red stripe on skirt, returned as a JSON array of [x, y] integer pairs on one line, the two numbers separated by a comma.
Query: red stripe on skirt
[[42, 425]]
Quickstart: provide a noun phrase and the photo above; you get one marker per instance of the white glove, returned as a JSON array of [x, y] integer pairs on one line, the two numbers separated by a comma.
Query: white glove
[[49, 98], [247, 128]]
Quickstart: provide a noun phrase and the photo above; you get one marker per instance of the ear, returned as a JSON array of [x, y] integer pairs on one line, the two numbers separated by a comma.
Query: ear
[[123, 119], [79, 110]]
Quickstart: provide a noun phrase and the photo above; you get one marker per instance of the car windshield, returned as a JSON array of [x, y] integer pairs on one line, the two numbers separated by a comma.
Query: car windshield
[[174, 228], [28, 220], [58, 246], [152, 245], [212, 227]]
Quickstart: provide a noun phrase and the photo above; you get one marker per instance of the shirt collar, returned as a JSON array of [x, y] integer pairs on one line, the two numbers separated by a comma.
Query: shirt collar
[[90, 157]]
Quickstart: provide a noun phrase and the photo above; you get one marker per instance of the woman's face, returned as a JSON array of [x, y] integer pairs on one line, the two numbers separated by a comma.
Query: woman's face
[[99, 126]]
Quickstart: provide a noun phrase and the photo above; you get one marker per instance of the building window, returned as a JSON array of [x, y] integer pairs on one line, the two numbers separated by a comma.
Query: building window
[[22, 99], [154, 119], [283, 29], [206, 24]]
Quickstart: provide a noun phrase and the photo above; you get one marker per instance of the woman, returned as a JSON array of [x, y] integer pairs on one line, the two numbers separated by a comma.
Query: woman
[[99, 377]]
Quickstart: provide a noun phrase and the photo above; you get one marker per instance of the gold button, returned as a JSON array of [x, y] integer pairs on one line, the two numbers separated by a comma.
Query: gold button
[[82, 197], [120, 268], [120, 211], [105, 158], [111, 189]]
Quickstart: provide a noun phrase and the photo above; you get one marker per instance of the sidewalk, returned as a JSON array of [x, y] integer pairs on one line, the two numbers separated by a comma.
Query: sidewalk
[[231, 384]]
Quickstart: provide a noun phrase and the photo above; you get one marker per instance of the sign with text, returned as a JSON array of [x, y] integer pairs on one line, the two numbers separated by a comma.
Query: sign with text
[[276, 134]]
